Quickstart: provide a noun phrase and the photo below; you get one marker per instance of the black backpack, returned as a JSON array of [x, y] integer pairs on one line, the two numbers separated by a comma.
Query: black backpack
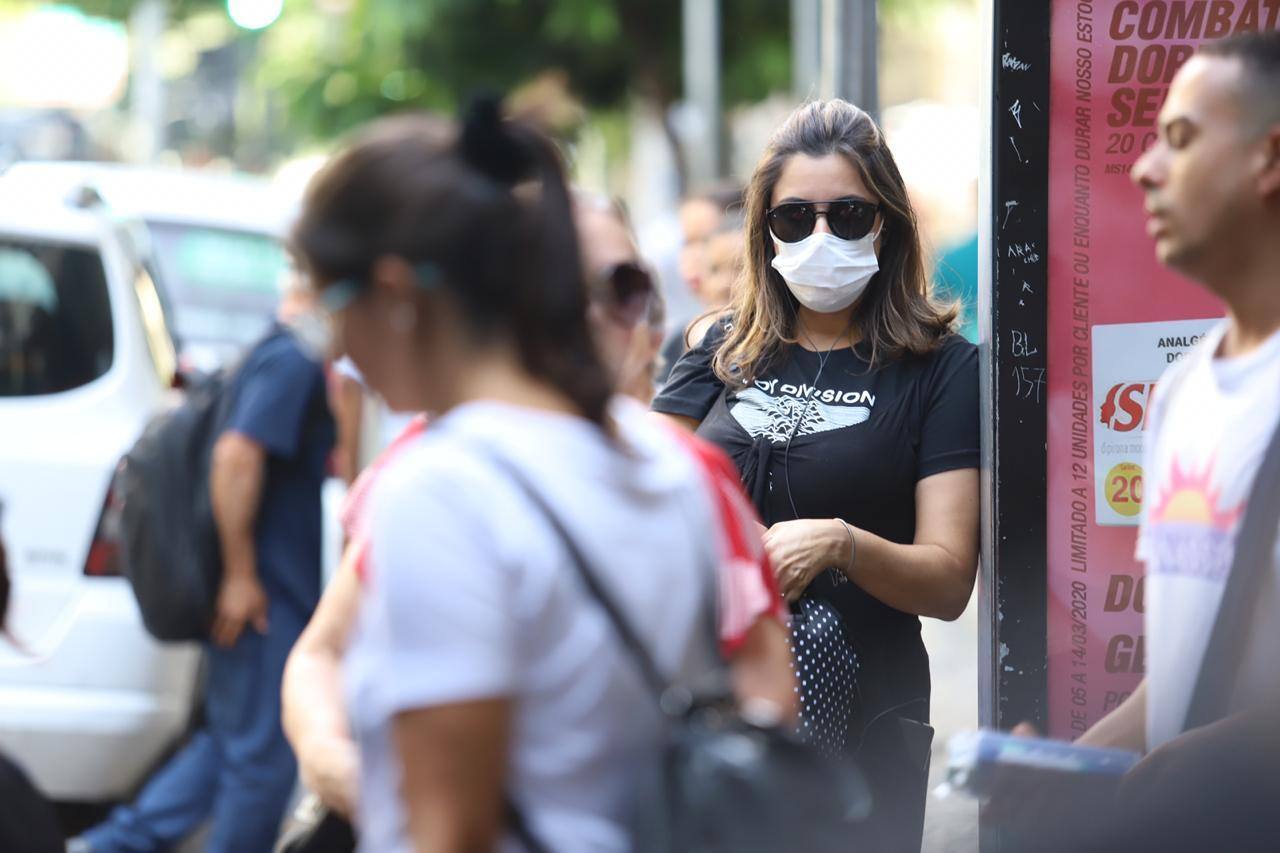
[[169, 541]]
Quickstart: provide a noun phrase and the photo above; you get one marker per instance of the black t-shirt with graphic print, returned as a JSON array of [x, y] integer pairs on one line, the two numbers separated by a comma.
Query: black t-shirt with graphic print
[[849, 442]]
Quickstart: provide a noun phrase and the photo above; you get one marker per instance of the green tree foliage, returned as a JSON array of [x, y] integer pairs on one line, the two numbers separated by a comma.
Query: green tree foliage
[[334, 64], [383, 55], [121, 9], [337, 63]]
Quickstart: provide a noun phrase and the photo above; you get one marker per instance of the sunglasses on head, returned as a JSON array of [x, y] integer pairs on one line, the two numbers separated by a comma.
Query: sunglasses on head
[[848, 219], [625, 291]]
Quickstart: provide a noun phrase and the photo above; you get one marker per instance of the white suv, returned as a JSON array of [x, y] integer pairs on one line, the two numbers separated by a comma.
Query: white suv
[[215, 241], [88, 701]]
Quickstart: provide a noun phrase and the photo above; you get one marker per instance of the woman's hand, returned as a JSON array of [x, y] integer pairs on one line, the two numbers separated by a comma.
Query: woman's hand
[[799, 550], [330, 769]]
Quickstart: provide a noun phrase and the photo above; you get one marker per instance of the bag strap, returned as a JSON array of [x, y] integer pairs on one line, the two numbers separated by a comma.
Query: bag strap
[[516, 821], [630, 639], [1254, 556], [519, 826]]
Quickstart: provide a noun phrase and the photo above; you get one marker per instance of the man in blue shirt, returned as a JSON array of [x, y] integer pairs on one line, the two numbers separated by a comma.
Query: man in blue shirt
[[268, 468]]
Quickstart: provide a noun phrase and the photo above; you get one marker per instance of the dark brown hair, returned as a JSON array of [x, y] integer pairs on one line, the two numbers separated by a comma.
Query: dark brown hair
[[897, 315], [426, 190]]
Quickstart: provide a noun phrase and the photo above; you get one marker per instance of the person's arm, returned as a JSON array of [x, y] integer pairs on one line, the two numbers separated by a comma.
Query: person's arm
[[447, 651], [453, 762], [760, 669], [274, 389], [932, 576], [692, 387], [314, 710], [683, 422], [235, 486], [1123, 728]]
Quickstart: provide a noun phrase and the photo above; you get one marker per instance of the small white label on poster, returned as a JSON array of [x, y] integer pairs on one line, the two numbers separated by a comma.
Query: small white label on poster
[[1128, 361]]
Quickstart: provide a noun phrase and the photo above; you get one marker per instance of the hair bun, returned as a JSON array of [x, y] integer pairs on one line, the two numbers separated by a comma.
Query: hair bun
[[489, 145]]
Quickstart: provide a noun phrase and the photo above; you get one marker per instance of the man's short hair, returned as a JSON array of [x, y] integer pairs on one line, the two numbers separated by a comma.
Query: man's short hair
[[1259, 53]]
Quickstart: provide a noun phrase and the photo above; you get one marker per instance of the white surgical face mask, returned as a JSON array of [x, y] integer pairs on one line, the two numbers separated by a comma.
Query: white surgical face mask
[[826, 274]]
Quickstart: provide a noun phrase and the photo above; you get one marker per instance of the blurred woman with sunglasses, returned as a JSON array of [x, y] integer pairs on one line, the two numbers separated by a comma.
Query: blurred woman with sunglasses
[[851, 409], [624, 303], [476, 670]]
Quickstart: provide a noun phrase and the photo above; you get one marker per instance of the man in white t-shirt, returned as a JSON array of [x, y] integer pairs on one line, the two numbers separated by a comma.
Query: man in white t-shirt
[[1212, 186]]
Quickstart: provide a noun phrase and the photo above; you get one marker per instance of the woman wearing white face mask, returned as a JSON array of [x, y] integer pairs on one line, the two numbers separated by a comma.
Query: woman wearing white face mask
[[851, 409]]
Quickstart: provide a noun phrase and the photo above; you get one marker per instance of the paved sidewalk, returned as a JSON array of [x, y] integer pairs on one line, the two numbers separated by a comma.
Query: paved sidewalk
[[951, 825]]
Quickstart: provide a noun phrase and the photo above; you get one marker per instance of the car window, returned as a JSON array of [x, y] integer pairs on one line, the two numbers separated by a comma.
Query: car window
[[55, 318], [198, 260], [222, 284]]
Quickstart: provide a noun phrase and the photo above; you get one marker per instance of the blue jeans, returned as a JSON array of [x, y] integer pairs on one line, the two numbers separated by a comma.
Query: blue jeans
[[238, 769]]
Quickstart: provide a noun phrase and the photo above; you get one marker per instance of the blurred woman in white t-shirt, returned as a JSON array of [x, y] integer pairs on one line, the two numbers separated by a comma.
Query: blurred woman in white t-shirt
[[478, 669]]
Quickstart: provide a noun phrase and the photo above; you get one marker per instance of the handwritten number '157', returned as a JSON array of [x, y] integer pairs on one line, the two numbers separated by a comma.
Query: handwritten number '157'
[[1030, 383]]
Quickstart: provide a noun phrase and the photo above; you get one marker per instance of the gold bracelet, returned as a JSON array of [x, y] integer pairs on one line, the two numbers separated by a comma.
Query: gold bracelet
[[853, 546]]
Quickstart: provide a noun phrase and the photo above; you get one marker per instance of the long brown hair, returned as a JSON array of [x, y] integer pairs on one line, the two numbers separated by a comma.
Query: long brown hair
[[897, 315], [485, 203]]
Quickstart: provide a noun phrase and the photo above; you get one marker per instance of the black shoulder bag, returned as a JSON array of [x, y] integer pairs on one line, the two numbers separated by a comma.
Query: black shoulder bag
[[727, 783]]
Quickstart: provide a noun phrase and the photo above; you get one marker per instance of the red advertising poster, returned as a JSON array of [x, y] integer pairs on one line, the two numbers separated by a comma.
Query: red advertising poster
[[1116, 321]]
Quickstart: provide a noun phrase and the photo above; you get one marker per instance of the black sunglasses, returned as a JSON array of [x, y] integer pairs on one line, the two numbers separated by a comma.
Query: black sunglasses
[[848, 219], [625, 291]]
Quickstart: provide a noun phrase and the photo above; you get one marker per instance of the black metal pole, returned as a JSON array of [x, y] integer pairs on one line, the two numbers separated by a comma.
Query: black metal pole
[[1013, 654]]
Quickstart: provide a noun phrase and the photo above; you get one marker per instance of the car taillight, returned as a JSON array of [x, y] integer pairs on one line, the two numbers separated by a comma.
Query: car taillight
[[104, 550]]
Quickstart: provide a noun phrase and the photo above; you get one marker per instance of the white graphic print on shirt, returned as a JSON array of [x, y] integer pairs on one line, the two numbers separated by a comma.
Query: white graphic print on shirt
[[1190, 532], [771, 410]]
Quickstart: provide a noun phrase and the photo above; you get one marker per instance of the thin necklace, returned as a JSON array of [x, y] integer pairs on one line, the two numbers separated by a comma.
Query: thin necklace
[[804, 410], [822, 357]]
